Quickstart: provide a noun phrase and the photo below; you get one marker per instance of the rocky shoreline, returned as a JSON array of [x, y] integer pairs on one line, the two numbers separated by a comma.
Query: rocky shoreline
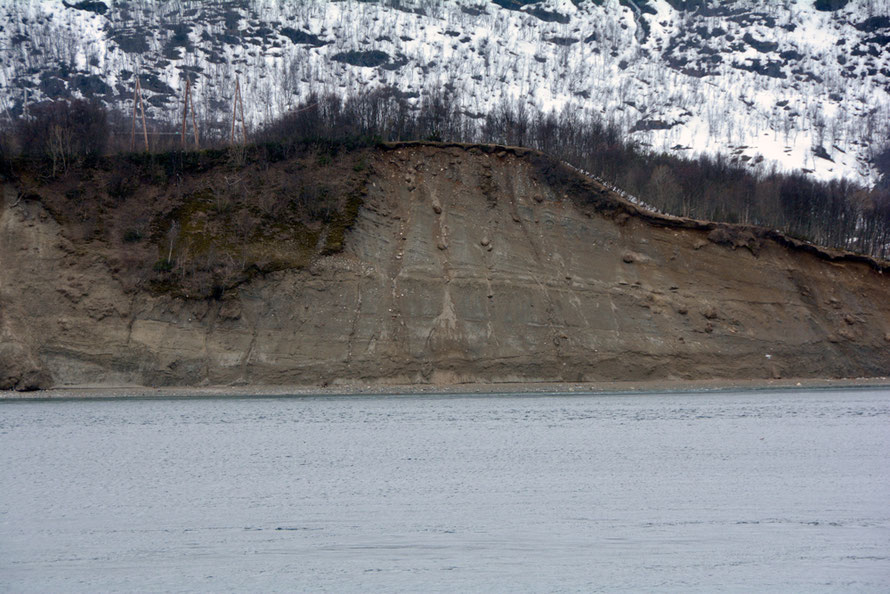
[[472, 389]]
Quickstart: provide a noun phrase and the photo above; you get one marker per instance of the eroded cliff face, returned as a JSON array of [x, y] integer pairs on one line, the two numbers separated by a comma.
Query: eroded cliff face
[[465, 264]]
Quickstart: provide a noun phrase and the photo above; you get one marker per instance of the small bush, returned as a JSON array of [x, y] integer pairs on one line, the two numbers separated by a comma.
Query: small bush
[[121, 184], [163, 265], [64, 132], [6, 156]]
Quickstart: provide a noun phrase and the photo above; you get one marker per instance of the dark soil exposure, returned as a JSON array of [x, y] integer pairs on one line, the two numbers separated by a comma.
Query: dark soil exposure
[[406, 263], [195, 225]]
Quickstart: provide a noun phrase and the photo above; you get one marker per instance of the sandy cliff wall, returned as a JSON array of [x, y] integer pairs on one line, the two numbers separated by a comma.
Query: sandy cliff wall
[[465, 264]]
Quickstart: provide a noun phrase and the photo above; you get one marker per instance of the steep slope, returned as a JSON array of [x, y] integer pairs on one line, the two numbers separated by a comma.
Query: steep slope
[[764, 83], [465, 263]]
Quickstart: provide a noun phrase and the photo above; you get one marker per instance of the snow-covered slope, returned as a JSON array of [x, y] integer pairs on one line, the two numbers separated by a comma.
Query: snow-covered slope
[[779, 82]]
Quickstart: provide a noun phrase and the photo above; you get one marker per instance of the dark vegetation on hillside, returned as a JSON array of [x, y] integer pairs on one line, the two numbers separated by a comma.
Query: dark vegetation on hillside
[[837, 214], [193, 224], [60, 139]]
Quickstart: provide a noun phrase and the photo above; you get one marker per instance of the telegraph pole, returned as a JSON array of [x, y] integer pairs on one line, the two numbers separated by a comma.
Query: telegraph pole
[[137, 103], [237, 103], [186, 104]]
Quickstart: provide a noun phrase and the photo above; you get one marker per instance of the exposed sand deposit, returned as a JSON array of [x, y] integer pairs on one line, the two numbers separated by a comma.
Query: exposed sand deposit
[[464, 264]]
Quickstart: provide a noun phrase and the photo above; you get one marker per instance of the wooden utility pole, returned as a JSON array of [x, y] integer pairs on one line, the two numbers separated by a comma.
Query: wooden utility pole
[[185, 110], [194, 118], [237, 104], [137, 103], [186, 104]]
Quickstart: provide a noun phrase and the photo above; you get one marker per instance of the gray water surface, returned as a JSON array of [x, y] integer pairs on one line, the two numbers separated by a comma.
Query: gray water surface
[[785, 491]]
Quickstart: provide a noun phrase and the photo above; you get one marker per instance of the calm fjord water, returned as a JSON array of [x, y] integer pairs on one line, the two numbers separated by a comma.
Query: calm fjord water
[[693, 492]]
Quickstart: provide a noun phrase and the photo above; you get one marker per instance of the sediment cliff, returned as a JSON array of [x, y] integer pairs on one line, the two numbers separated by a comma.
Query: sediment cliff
[[462, 263]]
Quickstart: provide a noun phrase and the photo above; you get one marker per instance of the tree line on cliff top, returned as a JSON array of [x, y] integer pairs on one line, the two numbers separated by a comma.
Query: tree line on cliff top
[[835, 214]]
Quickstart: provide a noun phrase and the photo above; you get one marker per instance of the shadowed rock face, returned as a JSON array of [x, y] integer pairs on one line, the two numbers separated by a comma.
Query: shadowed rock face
[[465, 264]]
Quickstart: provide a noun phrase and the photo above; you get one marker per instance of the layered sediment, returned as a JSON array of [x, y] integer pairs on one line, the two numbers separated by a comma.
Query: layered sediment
[[464, 264]]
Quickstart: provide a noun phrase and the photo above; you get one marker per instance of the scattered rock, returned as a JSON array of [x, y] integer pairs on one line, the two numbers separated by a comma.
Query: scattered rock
[[735, 237], [230, 310], [485, 242], [632, 257], [442, 245], [19, 371]]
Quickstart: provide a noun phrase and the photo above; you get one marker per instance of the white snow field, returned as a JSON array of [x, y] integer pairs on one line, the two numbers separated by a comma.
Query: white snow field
[[766, 83]]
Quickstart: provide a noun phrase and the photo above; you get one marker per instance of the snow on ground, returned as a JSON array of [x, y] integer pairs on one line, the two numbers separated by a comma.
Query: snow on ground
[[769, 84]]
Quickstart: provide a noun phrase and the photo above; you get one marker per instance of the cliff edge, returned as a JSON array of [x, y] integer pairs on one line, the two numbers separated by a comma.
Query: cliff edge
[[444, 264]]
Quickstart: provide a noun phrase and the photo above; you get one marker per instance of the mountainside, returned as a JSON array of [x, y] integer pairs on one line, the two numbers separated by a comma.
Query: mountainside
[[801, 84], [425, 263]]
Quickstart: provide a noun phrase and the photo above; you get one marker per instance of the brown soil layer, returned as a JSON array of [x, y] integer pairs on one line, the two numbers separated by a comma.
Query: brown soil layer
[[437, 265]]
